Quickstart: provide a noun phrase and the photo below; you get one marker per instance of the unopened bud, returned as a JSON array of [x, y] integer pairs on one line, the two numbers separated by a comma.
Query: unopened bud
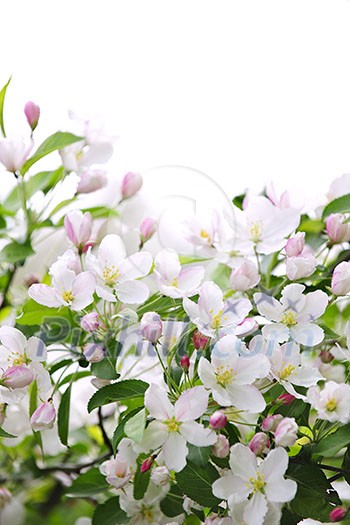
[[151, 327], [44, 417], [269, 424], [32, 113], [218, 420], [147, 464], [131, 184], [259, 443], [221, 448], [286, 399], [338, 514], [17, 377], [90, 322], [147, 229], [200, 341], [94, 353], [185, 363]]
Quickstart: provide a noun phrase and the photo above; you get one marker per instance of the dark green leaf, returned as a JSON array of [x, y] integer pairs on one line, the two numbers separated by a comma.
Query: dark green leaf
[[198, 455], [75, 375], [63, 416], [192, 520], [2, 100], [109, 513], [196, 482], [57, 141], [141, 479], [339, 205], [88, 484], [120, 391], [15, 252], [334, 442], [60, 364], [172, 504], [346, 464], [5, 434]]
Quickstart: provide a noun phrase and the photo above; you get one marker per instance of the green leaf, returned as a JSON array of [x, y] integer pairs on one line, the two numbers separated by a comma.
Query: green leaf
[[35, 314], [308, 225], [119, 431], [339, 205], [75, 375], [107, 368], [172, 504], [60, 364], [196, 482], [5, 434], [15, 252], [346, 464], [141, 479], [315, 497], [134, 428], [199, 455], [2, 100], [57, 141], [88, 484], [42, 181], [121, 391], [109, 513], [334, 442], [63, 416]]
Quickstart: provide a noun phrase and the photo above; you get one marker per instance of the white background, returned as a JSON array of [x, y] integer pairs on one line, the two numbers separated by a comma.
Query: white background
[[246, 91]]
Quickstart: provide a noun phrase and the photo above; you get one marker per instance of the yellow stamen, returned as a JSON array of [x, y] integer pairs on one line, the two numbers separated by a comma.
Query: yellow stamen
[[289, 318], [172, 424], [216, 319], [255, 231], [331, 405], [205, 235], [258, 483], [224, 375], [67, 296], [148, 514], [287, 371], [110, 275]]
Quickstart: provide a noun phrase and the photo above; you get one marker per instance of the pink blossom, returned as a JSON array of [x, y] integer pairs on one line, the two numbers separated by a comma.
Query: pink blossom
[[286, 432], [131, 184], [14, 152], [147, 229], [218, 420], [295, 244], [78, 226], [244, 276], [151, 326], [92, 180], [18, 376], [341, 279], [32, 113], [44, 417], [259, 443], [221, 448], [90, 322]]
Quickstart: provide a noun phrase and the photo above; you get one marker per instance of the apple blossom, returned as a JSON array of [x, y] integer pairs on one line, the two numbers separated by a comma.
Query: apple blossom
[[160, 476], [90, 322], [255, 483], [341, 279], [295, 244], [332, 403], [117, 274], [117, 471], [78, 226], [301, 266], [218, 420], [173, 426], [286, 399], [229, 376], [151, 327], [32, 113], [270, 423], [14, 152], [337, 228], [200, 341], [221, 448], [259, 443], [286, 432], [43, 417], [147, 229], [173, 280], [94, 353], [212, 315], [131, 184], [18, 376], [145, 511], [147, 464], [91, 180], [293, 316], [244, 276]]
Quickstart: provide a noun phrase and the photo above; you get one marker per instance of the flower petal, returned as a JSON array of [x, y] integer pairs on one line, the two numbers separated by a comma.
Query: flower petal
[[157, 403], [255, 510], [167, 264], [191, 404], [281, 491], [154, 436], [135, 266], [246, 397], [175, 452], [13, 339], [229, 487], [275, 465], [307, 334], [197, 434], [268, 307], [243, 462], [132, 292], [44, 294], [83, 289], [36, 349]]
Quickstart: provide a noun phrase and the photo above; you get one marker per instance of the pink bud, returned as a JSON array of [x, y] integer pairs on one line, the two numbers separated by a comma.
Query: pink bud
[[131, 184], [341, 279], [200, 341], [295, 244], [44, 417], [17, 377], [90, 322], [151, 327], [94, 353], [338, 514], [244, 276], [259, 443], [218, 420], [301, 266], [185, 362], [92, 180], [337, 229], [286, 432], [32, 113], [286, 399], [147, 229], [221, 448], [147, 464], [78, 226], [269, 424], [326, 356]]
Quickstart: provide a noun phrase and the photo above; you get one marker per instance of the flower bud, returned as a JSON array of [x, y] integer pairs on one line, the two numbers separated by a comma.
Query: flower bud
[[337, 229], [301, 266], [259, 443], [44, 417], [286, 399], [17, 377], [221, 448], [286, 432], [326, 356], [245, 276], [92, 180], [146, 464], [341, 279], [160, 476], [185, 363], [14, 152], [200, 341], [131, 184], [269, 424], [32, 113], [94, 353], [147, 229], [338, 514], [218, 420], [78, 226], [151, 327], [90, 322], [295, 244]]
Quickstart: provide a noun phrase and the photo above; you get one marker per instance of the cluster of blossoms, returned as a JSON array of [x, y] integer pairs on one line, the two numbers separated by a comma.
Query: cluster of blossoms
[[218, 379]]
